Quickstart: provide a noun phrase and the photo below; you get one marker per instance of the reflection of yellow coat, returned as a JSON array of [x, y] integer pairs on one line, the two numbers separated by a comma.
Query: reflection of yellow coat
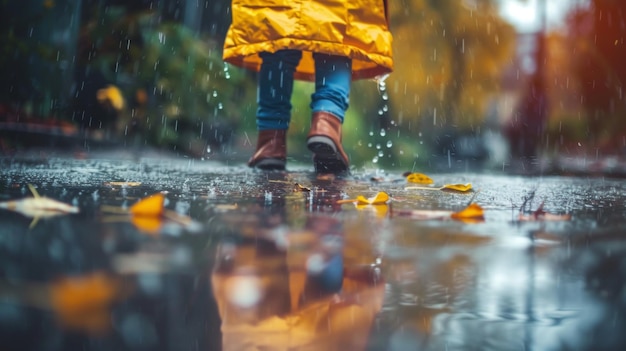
[[353, 28]]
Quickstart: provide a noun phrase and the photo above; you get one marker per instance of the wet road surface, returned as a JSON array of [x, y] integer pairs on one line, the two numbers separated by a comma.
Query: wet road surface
[[271, 261]]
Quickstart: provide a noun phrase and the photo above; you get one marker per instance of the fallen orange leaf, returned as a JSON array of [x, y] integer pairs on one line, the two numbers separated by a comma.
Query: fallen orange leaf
[[473, 211], [149, 206], [150, 225]]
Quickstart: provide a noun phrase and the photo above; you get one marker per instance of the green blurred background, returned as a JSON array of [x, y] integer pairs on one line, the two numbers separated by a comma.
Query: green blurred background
[[471, 88]]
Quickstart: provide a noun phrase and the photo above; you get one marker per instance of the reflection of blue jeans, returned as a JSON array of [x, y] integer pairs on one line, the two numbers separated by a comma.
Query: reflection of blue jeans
[[332, 87]]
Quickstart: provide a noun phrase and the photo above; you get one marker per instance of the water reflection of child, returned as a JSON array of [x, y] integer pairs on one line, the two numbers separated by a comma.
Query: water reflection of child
[[275, 297], [328, 42]]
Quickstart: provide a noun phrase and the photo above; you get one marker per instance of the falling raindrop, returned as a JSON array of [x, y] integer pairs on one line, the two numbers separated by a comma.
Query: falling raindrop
[[383, 132], [389, 143], [226, 72]]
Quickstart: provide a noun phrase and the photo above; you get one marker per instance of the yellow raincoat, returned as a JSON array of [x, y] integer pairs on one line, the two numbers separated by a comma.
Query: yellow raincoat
[[354, 28]]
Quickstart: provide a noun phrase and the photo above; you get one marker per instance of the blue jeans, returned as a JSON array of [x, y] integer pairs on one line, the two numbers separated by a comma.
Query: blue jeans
[[333, 76]]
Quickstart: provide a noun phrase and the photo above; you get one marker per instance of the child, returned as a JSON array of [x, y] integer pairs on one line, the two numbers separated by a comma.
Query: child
[[329, 42]]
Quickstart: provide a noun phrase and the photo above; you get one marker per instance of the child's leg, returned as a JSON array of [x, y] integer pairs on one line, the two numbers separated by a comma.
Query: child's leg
[[329, 103], [275, 86], [333, 75]]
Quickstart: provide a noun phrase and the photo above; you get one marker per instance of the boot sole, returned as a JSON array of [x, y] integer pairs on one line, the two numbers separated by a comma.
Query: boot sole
[[270, 164], [327, 159]]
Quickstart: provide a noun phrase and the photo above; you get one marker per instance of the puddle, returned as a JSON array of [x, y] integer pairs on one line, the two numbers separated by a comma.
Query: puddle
[[272, 261]]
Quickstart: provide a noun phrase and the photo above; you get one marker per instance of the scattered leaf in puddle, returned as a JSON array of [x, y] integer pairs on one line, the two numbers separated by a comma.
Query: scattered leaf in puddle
[[148, 214], [379, 199], [471, 212], [419, 178], [448, 187], [457, 187], [38, 206], [149, 206], [540, 215]]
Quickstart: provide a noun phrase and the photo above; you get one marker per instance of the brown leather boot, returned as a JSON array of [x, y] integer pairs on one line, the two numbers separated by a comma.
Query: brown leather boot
[[271, 150], [324, 140]]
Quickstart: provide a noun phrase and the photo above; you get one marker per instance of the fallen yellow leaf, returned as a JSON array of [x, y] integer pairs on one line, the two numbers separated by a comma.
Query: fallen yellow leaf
[[378, 199], [419, 178], [457, 187], [149, 206]]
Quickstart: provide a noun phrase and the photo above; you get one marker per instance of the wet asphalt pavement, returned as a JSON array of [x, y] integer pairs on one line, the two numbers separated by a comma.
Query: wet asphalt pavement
[[251, 260]]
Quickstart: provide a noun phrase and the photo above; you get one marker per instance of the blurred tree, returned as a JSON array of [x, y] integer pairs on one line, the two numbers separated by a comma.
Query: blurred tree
[[37, 47], [597, 35], [180, 95], [116, 68], [566, 127], [450, 55]]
